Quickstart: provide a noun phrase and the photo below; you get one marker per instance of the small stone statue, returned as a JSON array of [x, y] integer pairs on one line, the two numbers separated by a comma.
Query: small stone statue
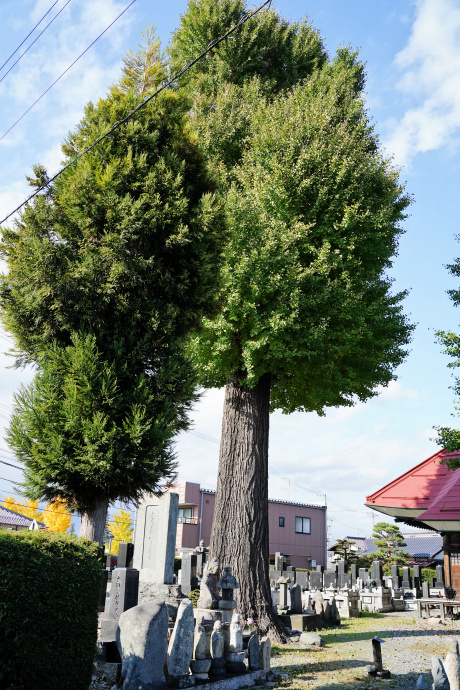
[[217, 651], [451, 665], [209, 599], [235, 643], [199, 642]]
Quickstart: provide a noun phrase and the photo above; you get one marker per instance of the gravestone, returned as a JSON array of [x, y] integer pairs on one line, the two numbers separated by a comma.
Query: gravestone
[[189, 580], [320, 568], [316, 580], [354, 573], [432, 582], [364, 575], [376, 572], [155, 538], [345, 580], [201, 558], [279, 561], [275, 574], [340, 568], [406, 583], [416, 577], [329, 579], [125, 555], [425, 590], [123, 596], [395, 577], [439, 577], [296, 599], [301, 578]]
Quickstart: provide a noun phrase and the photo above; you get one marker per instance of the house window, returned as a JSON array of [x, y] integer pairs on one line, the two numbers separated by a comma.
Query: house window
[[281, 522], [185, 515], [302, 525]]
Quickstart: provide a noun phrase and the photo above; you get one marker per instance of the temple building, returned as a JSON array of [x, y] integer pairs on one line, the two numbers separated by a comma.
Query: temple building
[[428, 496]]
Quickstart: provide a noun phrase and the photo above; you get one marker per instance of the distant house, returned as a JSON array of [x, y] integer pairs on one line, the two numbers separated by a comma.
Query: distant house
[[295, 529], [9, 519], [425, 547]]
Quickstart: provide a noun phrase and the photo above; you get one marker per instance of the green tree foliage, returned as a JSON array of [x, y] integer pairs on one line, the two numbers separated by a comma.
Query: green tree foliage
[[144, 70], [314, 208], [346, 550], [107, 272], [85, 429], [389, 540], [314, 215]]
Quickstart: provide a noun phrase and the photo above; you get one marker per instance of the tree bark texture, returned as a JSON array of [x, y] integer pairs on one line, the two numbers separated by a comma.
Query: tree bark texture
[[93, 522], [239, 536]]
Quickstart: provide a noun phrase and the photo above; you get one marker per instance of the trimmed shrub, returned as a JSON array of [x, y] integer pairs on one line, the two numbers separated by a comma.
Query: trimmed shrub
[[49, 594]]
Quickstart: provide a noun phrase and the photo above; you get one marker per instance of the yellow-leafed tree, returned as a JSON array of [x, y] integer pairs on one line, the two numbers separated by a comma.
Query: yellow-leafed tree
[[56, 516], [29, 509], [121, 529], [11, 503]]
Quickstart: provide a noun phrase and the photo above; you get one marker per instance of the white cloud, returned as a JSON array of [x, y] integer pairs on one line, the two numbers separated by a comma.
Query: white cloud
[[429, 82]]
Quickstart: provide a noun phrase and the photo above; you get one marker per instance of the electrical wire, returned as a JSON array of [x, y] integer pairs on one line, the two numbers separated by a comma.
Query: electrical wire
[[10, 465], [65, 72], [30, 32], [30, 46], [117, 124]]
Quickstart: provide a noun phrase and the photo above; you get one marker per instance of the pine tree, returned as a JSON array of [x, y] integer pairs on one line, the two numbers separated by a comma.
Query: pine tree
[[307, 317], [390, 542]]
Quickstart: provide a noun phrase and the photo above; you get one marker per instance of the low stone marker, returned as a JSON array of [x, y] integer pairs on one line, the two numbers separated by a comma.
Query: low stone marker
[[440, 680], [141, 641], [311, 639], [451, 665]]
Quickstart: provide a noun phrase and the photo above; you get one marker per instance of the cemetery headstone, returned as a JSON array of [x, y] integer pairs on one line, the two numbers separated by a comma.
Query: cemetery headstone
[[439, 577], [253, 652], [395, 576], [142, 643], [279, 561], [125, 555], [354, 573], [155, 538], [189, 580], [296, 599], [180, 646], [201, 558], [406, 583], [329, 579], [320, 568], [275, 574], [340, 568], [301, 578], [364, 575], [265, 654], [316, 580], [376, 572], [425, 590], [123, 596], [345, 580], [451, 665]]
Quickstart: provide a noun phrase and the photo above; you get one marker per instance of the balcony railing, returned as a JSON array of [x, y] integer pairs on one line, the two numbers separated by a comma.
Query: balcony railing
[[187, 520]]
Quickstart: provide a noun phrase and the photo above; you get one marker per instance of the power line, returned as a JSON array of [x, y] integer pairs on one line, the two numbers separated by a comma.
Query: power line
[[117, 124], [30, 32], [30, 46], [10, 465], [65, 72]]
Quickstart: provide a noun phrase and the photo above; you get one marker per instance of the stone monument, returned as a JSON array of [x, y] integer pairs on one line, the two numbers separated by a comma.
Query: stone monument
[[155, 544]]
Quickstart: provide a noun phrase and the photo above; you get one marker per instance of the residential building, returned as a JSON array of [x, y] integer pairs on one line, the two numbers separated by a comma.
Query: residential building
[[295, 529], [9, 519]]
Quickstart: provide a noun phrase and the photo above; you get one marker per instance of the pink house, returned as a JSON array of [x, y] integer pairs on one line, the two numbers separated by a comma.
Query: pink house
[[296, 529]]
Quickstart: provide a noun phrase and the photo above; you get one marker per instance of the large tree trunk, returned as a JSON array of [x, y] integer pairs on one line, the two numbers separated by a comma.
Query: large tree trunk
[[239, 536], [93, 522]]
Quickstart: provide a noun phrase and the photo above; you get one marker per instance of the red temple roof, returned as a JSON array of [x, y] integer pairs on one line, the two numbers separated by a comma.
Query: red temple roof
[[428, 494]]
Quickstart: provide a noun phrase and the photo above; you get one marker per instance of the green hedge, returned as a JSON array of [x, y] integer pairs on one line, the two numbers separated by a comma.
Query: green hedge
[[49, 593]]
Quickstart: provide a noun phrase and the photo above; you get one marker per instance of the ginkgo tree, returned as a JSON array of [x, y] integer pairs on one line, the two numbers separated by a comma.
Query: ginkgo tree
[[121, 529], [56, 515], [307, 318]]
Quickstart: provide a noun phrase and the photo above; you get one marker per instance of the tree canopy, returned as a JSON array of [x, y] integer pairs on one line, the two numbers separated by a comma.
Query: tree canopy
[[390, 542], [108, 271]]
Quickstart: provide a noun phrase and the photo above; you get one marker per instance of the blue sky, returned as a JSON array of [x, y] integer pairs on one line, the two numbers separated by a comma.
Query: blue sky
[[412, 53]]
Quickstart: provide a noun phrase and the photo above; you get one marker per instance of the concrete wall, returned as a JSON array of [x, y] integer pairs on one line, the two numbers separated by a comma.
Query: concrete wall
[[303, 548]]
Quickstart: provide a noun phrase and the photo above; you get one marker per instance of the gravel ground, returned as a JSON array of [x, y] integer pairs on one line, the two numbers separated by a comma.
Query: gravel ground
[[409, 645]]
